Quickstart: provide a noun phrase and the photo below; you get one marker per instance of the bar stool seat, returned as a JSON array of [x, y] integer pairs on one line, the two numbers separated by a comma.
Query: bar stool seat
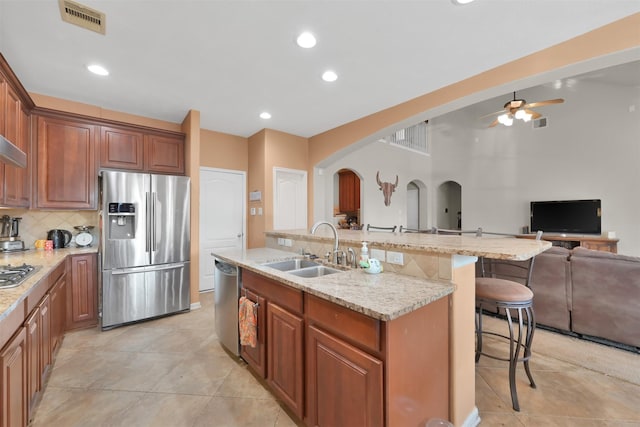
[[488, 288]]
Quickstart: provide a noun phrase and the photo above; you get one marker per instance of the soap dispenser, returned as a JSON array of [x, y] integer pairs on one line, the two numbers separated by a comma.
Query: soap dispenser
[[364, 255]]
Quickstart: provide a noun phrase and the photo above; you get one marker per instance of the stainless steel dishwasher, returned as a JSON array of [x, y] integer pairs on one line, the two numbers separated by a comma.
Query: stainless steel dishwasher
[[226, 294]]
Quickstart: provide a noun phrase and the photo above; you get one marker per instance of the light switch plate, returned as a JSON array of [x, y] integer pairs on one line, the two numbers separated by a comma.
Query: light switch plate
[[395, 258]]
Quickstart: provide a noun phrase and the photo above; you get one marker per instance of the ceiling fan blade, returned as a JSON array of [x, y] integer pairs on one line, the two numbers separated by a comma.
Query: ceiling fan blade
[[534, 114], [493, 114], [543, 103], [495, 122]]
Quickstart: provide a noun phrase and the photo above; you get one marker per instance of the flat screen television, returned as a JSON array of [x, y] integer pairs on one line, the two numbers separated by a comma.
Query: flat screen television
[[566, 216]]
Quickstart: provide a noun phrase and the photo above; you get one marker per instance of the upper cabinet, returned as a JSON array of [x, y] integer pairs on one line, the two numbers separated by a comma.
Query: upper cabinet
[[66, 170], [349, 191], [15, 106], [140, 150]]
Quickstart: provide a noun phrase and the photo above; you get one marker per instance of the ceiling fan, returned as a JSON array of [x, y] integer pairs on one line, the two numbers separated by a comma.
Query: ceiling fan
[[519, 109]]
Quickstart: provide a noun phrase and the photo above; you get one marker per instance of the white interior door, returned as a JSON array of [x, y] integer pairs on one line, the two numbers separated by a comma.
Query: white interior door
[[289, 199], [222, 217]]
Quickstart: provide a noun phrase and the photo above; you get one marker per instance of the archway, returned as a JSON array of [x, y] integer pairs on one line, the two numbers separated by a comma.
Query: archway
[[417, 212], [450, 205]]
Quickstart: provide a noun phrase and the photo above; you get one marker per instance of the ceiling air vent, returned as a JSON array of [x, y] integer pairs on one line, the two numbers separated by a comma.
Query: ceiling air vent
[[82, 16], [540, 123]]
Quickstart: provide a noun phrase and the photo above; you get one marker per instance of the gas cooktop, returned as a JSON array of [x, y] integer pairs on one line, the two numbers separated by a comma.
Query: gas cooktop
[[12, 276]]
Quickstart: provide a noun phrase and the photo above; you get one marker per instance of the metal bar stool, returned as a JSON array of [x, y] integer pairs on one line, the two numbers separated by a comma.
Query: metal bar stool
[[505, 286]]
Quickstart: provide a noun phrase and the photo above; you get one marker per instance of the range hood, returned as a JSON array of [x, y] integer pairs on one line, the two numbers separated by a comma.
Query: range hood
[[11, 154]]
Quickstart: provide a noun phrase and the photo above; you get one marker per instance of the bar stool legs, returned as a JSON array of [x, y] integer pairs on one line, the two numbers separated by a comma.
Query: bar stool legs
[[519, 340]]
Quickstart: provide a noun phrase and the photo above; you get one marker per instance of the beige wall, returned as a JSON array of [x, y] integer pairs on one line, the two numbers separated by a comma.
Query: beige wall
[[224, 151], [256, 182]]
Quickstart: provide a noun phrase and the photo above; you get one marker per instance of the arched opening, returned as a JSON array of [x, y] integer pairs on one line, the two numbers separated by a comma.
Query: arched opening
[[346, 198], [417, 217], [450, 205]]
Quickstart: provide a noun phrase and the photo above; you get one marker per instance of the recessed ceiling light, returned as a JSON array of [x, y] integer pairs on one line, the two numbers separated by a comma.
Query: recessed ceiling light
[[329, 76], [265, 115], [306, 40], [98, 69], [461, 1]]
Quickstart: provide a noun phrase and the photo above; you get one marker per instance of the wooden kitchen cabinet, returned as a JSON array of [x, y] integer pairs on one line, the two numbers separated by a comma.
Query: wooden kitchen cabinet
[[82, 299], [164, 154], [256, 357], [13, 378], [121, 148], [285, 373], [66, 164], [58, 307], [334, 365], [45, 337], [34, 341], [15, 127], [281, 342], [349, 191]]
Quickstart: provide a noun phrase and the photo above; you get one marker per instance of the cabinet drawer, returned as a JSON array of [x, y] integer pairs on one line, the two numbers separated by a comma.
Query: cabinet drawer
[[37, 292], [10, 324], [343, 322], [56, 273], [271, 290]]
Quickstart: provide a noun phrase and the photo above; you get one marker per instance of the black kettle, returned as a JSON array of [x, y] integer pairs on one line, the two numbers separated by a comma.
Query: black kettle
[[61, 238]]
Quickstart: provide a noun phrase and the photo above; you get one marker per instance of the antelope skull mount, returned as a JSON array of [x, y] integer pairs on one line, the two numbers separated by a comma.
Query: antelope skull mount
[[387, 188]]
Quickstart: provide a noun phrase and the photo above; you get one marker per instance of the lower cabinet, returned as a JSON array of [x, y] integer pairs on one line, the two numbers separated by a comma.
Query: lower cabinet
[[344, 384], [45, 337], [58, 307], [285, 375], [256, 357], [13, 377], [34, 341], [82, 307]]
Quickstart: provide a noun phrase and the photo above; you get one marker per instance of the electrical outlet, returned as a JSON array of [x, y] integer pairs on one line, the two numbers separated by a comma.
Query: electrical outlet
[[280, 241], [253, 211], [378, 254], [395, 258], [259, 211], [288, 242]]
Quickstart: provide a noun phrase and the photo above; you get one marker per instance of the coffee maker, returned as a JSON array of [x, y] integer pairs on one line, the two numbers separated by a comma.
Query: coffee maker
[[10, 234]]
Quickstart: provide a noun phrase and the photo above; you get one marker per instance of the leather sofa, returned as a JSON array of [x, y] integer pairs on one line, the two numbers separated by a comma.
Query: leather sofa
[[590, 293]]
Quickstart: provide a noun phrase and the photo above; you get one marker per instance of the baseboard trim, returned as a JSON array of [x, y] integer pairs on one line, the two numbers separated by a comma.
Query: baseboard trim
[[195, 305], [473, 419]]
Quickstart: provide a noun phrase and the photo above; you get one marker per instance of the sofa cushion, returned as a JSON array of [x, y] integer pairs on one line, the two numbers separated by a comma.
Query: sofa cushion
[[551, 286], [606, 295]]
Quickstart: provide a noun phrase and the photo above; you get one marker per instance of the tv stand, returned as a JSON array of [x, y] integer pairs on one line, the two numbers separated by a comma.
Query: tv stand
[[597, 243]]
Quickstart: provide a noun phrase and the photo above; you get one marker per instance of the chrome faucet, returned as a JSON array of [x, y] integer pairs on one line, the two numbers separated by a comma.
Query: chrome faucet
[[335, 237]]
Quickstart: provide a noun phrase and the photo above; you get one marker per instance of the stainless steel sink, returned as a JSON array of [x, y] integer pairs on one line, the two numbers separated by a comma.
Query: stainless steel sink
[[291, 264], [317, 271]]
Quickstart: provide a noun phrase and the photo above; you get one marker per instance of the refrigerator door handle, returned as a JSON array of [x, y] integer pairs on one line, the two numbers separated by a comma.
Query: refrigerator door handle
[[122, 271], [147, 243], [167, 266], [154, 197]]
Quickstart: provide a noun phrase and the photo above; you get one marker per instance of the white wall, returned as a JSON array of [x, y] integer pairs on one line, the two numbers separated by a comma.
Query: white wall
[[590, 150], [366, 161]]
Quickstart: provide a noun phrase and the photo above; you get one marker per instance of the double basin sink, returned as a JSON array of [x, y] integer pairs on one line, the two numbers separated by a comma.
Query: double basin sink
[[302, 267]]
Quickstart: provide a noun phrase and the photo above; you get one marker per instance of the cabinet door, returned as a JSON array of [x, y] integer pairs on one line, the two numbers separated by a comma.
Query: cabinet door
[[66, 164], [256, 357], [33, 357], [164, 154], [3, 113], [349, 188], [285, 373], [45, 336], [344, 384], [121, 148], [58, 307], [16, 191], [82, 307], [13, 378]]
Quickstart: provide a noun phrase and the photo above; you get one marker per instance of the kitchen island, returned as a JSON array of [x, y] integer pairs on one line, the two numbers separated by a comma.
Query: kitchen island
[[430, 260]]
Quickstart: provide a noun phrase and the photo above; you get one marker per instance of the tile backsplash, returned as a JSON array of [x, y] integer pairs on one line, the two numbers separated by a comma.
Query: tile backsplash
[[35, 223]]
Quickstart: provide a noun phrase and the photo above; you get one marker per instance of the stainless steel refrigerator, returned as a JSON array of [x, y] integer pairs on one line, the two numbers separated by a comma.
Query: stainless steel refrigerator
[[145, 242]]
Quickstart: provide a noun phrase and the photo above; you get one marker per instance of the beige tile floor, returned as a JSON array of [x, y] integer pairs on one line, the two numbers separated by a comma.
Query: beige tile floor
[[172, 372]]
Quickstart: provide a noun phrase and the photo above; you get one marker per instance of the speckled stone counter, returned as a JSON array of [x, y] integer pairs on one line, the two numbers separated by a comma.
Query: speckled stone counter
[[383, 296], [487, 246], [44, 260]]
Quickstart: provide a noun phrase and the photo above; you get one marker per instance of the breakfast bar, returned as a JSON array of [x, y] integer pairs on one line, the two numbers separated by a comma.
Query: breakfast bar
[[427, 270]]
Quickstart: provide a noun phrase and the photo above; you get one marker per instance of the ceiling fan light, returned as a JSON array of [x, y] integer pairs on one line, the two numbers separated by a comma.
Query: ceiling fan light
[[508, 121], [520, 114], [526, 117], [502, 118]]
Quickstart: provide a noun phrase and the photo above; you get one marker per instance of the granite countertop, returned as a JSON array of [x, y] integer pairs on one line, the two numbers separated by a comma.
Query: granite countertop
[[498, 247], [45, 260], [384, 296]]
